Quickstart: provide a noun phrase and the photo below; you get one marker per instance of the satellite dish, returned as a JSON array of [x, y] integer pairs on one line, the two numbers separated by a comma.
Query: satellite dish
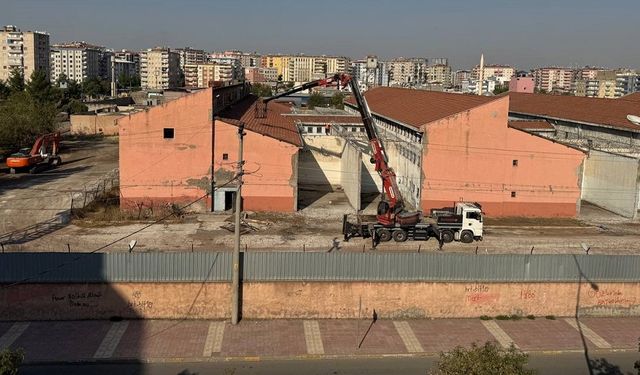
[[634, 119]]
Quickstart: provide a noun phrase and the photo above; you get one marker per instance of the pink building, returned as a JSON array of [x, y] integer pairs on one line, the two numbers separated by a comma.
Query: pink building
[[469, 153], [183, 151], [522, 84]]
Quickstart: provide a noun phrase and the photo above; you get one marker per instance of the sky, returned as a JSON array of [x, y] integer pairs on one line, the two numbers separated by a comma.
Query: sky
[[522, 33]]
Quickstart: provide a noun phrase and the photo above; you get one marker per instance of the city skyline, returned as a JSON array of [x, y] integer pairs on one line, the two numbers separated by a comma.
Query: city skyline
[[525, 36]]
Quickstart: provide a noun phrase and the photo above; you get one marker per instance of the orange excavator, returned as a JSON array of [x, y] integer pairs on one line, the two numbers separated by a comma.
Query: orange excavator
[[42, 155]]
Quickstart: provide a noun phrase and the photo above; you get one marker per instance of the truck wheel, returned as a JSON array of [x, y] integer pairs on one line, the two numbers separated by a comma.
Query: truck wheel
[[466, 236], [384, 235], [400, 235], [447, 236]]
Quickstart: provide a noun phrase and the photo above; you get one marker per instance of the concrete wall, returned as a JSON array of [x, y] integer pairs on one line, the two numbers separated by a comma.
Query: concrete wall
[[611, 181], [268, 300], [156, 171], [470, 156], [371, 181], [273, 184], [350, 175], [94, 124], [319, 162]]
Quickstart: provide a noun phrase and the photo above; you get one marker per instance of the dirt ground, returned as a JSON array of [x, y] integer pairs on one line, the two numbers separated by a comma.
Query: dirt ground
[[27, 199], [318, 228]]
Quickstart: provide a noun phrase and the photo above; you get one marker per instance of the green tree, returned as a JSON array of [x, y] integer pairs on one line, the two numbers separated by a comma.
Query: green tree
[[261, 90], [316, 99], [337, 100], [16, 80], [488, 359], [10, 361], [500, 89], [76, 106], [40, 89], [5, 91], [22, 119], [94, 88]]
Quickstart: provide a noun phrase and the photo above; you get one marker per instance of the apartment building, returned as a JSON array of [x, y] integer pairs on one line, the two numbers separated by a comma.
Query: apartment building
[[522, 84], [303, 68], [131, 56], [439, 73], [502, 73], [79, 61], [159, 68], [202, 75], [230, 68], [627, 82], [247, 60], [370, 72], [438, 61], [407, 72], [602, 85], [190, 56], [554, 79], [460, 76], [27, 51]]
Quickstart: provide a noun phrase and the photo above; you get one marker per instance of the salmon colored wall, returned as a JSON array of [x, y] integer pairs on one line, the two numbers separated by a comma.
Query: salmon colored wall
[[155, 170], [273, 185], [469, 156]]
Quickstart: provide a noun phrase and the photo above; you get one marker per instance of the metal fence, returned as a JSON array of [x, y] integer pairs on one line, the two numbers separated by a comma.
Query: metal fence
[[278, 266], [95, 189]]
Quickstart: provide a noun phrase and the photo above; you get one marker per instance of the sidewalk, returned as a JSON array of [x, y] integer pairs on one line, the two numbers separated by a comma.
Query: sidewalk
[[197, 340]]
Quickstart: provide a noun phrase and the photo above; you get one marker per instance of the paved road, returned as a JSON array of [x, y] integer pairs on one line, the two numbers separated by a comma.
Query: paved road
[[617, 363]]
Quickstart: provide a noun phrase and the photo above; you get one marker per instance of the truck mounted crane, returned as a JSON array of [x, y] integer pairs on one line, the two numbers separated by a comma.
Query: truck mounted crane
[[462, 222]]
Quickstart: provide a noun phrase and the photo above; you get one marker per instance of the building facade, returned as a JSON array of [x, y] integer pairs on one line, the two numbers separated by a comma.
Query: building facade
[[27, 51], [522, 84], [79, 61], [554, 79], [159, 69], [439, 73], [407, 72], [190, 56], [502, 73], [131, 56]]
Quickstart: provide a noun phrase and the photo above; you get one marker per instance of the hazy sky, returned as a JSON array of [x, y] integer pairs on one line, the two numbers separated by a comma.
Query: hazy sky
[[522, 33]]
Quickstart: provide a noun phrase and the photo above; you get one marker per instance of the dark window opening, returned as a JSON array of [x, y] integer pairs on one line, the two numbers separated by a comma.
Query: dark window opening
[[168, 133], [225, 156], [515, 162], [513, 194]]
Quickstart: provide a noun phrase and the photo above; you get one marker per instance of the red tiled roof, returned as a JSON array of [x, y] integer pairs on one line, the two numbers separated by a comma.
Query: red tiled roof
[[274, 125], [605, 112], [632, 97], [419, 107], [531, 125]]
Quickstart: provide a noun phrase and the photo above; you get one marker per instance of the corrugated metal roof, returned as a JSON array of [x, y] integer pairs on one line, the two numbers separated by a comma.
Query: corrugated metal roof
[[286, 266]]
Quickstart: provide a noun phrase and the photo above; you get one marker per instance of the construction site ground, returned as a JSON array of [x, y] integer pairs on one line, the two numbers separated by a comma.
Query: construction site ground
[[37, 202], [28, 199], [318, 228]]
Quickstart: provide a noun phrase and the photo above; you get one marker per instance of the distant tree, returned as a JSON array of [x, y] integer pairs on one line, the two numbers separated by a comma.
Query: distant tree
[[337, 100], [316, 99], [539, 91], [10, 361], [40, 89], [500, 89], [76, 106], [261, 90], [16, 80], [95, 88], [22, 119], [488, 359], [5, 91]]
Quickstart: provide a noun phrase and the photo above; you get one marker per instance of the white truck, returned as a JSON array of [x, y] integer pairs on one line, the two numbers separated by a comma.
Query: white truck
[[462, 222]]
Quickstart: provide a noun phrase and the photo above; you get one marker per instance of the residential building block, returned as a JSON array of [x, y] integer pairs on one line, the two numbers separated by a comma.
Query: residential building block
[[159, 68], [27, 51]]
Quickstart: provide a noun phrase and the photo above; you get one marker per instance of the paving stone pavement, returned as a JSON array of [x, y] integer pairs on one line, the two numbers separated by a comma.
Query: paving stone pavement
[[195, 340]]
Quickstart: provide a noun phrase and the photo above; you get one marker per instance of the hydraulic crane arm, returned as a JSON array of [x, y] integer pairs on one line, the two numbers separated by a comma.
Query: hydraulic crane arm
[[391, 209]]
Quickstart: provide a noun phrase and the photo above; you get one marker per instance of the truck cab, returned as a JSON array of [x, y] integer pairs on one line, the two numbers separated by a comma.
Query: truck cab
[[462, 222]]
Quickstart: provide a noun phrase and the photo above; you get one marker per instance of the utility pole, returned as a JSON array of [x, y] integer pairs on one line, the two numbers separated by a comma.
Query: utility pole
[[114, 87], [235, 304]]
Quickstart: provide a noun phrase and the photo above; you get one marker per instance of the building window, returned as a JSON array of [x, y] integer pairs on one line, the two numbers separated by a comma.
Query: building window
[[225, 156], [515, 162], [168, 133], [513, 194]]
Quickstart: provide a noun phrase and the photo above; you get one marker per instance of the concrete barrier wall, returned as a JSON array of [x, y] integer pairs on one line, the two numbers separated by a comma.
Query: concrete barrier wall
[[350, 175], [95, 124], [319, 164], [273, 300], [611, 182]]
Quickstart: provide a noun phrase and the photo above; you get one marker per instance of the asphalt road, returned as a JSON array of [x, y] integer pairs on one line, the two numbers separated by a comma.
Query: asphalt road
[[607, 363]]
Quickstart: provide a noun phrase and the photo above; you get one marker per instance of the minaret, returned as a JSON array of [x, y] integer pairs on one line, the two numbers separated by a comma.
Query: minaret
[[480, 76]]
